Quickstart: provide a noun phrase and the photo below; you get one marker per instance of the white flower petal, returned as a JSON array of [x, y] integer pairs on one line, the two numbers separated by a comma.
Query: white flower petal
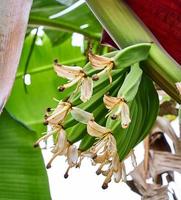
[[96, 130], [111, 145], [125, 116], [61, 143], [99, 62], [72, 155], [67, 72], [110, 102], [86, 89], [45, 137], [118, 175], [81, 115], [98, 146], [59, 113]]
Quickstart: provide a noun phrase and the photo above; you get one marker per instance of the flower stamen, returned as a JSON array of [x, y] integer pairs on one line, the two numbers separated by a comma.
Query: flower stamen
[[45, 137]]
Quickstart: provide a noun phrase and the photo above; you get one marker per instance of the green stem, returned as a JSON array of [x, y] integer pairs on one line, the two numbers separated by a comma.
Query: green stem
[[126, 29], [28, 59], [35, 21], [49, 67]]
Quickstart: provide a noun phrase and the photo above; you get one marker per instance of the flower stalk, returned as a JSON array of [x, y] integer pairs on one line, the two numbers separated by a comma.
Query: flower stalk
[[126, 29], [103, 148]]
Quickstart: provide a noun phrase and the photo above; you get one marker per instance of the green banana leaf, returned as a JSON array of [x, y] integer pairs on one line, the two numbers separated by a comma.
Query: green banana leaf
[[22, 172], [60, 27]]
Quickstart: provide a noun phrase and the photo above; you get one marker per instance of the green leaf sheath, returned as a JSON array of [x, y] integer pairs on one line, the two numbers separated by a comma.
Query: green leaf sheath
[[126, 29], [152, 105], [131, 83], [95, 106], [131, 55], [143, 109], [22, 172]]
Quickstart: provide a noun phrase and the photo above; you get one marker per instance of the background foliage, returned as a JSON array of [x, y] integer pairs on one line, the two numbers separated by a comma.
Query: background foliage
[[49, 38], [23, 175]]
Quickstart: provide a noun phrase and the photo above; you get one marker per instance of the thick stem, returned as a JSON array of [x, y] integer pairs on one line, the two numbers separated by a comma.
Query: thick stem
[[13, 21], [126, 29]]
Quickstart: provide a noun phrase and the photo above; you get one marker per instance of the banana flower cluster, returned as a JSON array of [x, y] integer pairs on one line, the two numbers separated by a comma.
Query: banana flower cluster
[[104, 151], [61, 148], [64, 148], [55, 119]]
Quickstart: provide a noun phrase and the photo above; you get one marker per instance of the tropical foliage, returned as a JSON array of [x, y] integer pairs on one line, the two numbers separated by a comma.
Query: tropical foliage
[[107, 100]]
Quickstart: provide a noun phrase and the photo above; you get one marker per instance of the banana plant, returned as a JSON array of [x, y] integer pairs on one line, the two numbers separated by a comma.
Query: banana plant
[[107, 104]]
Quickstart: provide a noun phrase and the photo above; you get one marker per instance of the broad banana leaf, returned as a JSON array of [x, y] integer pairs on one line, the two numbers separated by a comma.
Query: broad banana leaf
[[73, 21], [22, 172]]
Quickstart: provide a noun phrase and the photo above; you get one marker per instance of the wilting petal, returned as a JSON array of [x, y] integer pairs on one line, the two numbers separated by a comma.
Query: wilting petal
[[111, 145], [118, 109], [96, 130], [59, 113], [60, 147], [161, 162], [178, 85], [67, 72], [61, 143], [138, 175], [110, 102], [149, 191], [164, 125], [81, 115], [101, 158], [118, 174], [115, 162], [86, 89], [99, 62], [125, 116], [72, 155], [98, 146]]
